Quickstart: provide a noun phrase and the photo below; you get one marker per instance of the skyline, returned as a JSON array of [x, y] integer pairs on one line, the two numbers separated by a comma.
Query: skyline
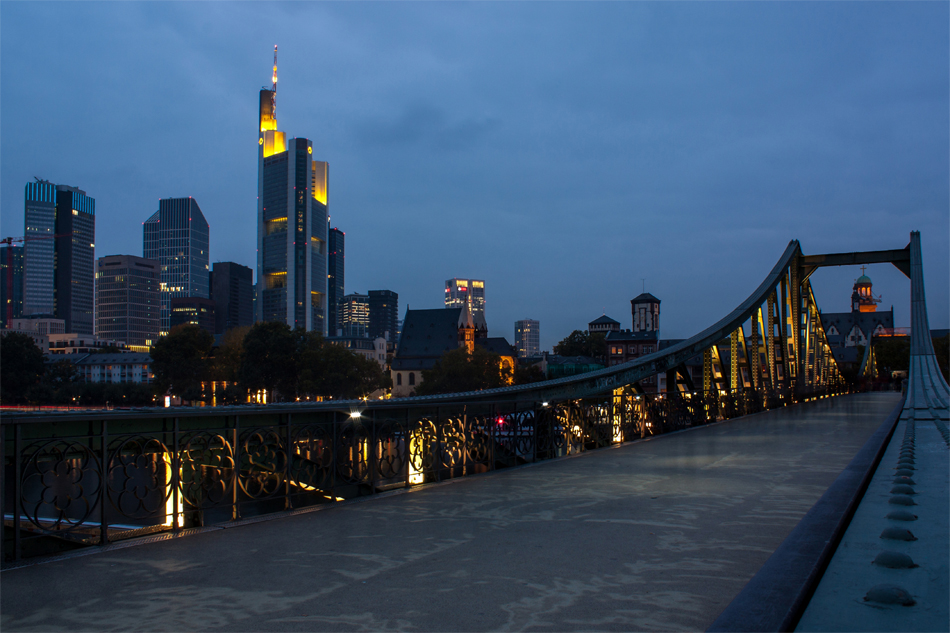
[[562, 176]]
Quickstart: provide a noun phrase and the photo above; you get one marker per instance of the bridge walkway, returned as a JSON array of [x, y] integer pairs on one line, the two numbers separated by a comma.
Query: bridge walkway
[[653, 535]]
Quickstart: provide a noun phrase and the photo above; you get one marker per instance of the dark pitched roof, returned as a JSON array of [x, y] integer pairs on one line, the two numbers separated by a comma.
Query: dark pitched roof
[[498, 345], [844, 322], [429, 333], [646, 296], [604, 320], [130, 358]]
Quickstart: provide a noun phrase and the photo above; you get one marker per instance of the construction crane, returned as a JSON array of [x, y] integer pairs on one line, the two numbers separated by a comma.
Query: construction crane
[[9, 241]]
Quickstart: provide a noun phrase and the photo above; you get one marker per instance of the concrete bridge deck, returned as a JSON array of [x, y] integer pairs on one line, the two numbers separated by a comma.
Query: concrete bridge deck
[[653, 535]]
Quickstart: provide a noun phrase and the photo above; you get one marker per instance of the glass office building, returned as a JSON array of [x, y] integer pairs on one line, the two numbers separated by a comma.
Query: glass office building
[[177, 237]]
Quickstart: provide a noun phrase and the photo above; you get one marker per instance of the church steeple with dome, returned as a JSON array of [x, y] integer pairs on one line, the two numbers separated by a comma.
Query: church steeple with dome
[[862, 299]]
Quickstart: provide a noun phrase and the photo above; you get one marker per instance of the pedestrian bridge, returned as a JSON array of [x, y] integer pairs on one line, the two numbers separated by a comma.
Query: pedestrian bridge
[[658, 534], [769, 431]]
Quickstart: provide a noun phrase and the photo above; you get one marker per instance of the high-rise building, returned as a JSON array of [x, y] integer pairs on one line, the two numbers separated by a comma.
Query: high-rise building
[[354, 315], [39, 250], [75, 277], [528, 337], [232, 289], [383, 314], [11, 284], [177, 236], [193, 310], [60, 254], [471, 292], [292, 225], [128, 300], [335, 274]]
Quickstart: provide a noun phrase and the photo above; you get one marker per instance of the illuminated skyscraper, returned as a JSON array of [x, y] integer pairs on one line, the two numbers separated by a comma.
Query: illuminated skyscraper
[[291, 224], [39, 255], [471, 292], [75, 279], [354, 314], [177, 237], [59, 273], [527, 337]]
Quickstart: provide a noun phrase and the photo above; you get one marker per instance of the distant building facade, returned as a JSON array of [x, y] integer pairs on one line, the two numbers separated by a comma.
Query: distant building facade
[[38, 328], [116, 368], [128, 300], [195, 311], [369, 348], [232, 290], [177, 236], [850, 329], [641, 340], [72, 343], [292, 225], [336, 274], [384, 315], [527, 337], [11, 284]]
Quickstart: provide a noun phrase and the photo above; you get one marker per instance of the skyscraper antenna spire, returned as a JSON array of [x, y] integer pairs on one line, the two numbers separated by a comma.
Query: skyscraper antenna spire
[[274, 78]]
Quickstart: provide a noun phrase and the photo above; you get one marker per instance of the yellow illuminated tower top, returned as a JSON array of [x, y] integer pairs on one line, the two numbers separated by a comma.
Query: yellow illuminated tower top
[[271, 141]]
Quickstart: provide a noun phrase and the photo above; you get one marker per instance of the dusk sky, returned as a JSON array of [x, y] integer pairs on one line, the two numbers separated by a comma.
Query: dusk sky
[[562, 152]]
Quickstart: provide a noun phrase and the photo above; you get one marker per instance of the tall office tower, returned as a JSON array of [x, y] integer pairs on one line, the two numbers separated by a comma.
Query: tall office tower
[[232, 289], [354, 315], [128, 300], [383, 314], [527, 337], [75, 277], [11, 284], [39, 250], [177, 236], [335, 270], [459, 292], [291, 224]]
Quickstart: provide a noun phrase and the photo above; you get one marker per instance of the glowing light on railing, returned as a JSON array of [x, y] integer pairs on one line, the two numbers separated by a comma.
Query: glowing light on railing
[[170, 510], [415, 448], [356, 414]]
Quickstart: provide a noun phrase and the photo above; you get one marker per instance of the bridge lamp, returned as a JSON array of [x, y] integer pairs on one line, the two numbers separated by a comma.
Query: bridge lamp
[[544, 404], [356, 415]]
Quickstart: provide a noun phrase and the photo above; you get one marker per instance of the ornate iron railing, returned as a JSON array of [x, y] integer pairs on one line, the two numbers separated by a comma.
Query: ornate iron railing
[[86, 481]]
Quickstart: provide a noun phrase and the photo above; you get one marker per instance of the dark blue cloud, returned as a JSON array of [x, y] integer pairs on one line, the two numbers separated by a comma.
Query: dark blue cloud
[[561, 151]]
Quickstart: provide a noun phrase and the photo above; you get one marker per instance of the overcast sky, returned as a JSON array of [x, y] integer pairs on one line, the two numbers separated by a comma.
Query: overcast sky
[[562, 152]]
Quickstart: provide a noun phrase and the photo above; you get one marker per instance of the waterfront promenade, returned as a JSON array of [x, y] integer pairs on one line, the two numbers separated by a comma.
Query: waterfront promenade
[[654, 535]]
